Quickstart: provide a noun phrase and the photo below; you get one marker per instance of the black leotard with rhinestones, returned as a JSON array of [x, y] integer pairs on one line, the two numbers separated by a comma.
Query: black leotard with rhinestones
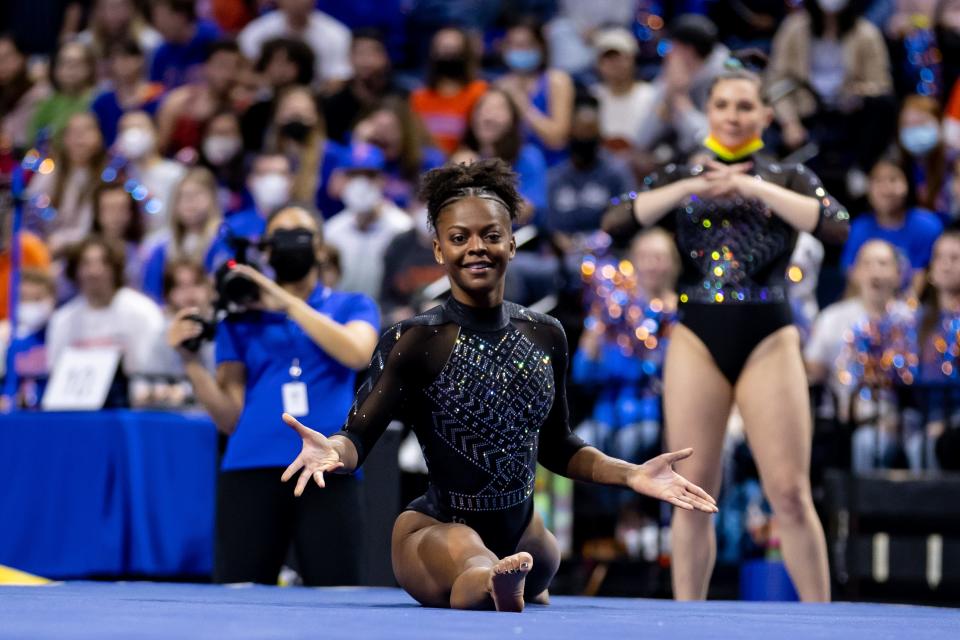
[[734, 256], [484, 391]]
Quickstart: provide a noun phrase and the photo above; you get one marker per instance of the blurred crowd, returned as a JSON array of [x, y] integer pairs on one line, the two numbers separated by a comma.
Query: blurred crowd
[[149, 140]]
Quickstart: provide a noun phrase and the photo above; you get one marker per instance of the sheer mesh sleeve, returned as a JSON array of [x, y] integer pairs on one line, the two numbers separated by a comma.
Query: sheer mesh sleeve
[[390, 378], [619, 219], [557, 443], [833, 225]]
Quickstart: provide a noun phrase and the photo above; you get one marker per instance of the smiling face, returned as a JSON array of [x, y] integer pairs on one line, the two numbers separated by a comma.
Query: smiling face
[[735, 112], [474, 241], [492, 118], [877, 272], [888, 190]]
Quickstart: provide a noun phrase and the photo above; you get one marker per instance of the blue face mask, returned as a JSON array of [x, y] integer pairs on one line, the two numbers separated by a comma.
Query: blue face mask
[[522, 59], [921, 139]]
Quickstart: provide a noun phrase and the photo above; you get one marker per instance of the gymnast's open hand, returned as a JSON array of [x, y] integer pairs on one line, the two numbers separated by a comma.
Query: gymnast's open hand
[[656, 478], [317, 456]]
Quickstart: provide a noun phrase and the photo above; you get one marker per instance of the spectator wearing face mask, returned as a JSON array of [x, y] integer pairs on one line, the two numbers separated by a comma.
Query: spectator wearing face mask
[[580, 188], [283, 63], [299, 133], [221, 152], [894, 219], [451, 90], [297, 353], [363, 230], [328, 38], [137, 143], [406, 147], [26, 369], [33, 255], [186, 110], [128, 90], [269, 182], [543, 96], [921, 141]]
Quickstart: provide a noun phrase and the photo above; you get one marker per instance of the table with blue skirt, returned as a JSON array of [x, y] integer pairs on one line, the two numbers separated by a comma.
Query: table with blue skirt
[[107, 493]]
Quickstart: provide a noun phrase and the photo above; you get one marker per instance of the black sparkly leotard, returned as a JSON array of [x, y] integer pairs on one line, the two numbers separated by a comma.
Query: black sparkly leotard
[[734, 254], [484, 390]]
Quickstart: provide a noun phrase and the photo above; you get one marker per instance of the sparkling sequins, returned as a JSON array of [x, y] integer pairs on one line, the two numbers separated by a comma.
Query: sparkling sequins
[[737, 248], [489, 402]]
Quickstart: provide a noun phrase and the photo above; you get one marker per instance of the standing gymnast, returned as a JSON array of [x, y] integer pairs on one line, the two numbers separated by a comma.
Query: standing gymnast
[[482, 382], [736, 218]]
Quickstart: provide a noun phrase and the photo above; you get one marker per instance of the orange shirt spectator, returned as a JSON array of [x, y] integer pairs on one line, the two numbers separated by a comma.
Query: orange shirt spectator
[[446, 116], [33, 253]]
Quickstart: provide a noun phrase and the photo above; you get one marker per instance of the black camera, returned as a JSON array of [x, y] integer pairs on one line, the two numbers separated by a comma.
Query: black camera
[[208, 330], [234, 291]]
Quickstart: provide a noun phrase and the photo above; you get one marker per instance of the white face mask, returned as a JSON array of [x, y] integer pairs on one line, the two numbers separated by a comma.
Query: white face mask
[[833, 6], [219, 149], [32, 316], [270, 190], [362, 194], [135, 143]]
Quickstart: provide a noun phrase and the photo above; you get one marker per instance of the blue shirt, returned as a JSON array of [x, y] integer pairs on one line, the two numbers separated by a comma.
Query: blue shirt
[[246, 223], [335, 155], [531, 171], [156, 263], [579, 198], [175, 64], [267, 345], [401, 190], [914, 238], [541, 100], [388, 16], [27, 368], [108, 112]]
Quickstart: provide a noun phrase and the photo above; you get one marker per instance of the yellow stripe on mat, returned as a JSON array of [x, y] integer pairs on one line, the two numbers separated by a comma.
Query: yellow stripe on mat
[[10, 576]]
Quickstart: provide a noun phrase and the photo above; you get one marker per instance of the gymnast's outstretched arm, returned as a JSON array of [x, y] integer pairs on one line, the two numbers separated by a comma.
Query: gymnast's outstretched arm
[[562, 452], [376, 404]]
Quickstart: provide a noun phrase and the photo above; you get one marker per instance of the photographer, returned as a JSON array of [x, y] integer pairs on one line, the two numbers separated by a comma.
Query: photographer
[[296, 349]]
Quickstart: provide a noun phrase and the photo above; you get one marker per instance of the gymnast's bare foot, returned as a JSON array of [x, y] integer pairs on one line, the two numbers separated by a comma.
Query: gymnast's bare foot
[[541, 598], [507, 579]]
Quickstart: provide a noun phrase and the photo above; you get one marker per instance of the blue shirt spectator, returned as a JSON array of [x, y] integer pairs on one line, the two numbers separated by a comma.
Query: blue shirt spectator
[[178, 62], [579, 195], [915, 237], [272, 349], [531, 169], [386, 16]]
